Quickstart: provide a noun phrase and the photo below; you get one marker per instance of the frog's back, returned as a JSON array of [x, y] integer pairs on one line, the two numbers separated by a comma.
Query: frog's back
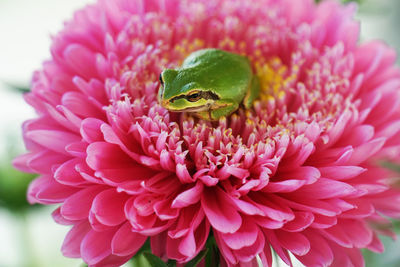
[[220, 70], [215, 58]]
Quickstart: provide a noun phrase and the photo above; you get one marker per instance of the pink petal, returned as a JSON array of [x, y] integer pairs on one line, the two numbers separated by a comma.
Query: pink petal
[[376, 245], [362, 209], [158, 246], [358, 136], [108, 207], [162, 183], [125, 242], [46, 160], [341, 172], [112, 260], [338, 235], [90, 130], [313, 205], [284, 186], [80, 59], [77, 149], [71, 246], [67, 174], [188, 219], [58, 218], [200, 235], [220, 211], [326, 188], [268, 205], [101, 155], [188, 197], [226, 251], [323, 222], [306, 173], [77, 206], [247, 254], [172, 249], [21, 162], [358, 232], [300, 222], [53, 139], [164, 210], [320, 253], [117, 176], [188, 245], [296, 243], [78, 104], [96, 224], [132, 187], [366, 151], [96, 246], [273, 240], [183, 174], [247, 207], [244, 237], [112, 138], [51, 192], [267, 223]]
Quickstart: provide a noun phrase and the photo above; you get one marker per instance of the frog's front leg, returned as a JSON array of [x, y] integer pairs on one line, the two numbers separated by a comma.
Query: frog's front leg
[[223, 109], [252, 93]]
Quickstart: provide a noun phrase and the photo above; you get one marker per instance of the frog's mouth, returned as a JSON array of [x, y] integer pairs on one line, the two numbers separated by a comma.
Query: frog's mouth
[[204, 101], [197, 109], [190, 109]]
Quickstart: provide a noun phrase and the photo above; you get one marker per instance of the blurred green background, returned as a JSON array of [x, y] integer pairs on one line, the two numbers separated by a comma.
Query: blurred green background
[[29, 237]]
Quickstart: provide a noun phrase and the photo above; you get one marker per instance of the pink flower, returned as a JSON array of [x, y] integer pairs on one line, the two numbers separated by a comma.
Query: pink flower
[[298, 173]]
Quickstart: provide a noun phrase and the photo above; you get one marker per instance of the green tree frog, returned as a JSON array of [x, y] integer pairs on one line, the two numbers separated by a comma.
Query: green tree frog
[[211, 83]]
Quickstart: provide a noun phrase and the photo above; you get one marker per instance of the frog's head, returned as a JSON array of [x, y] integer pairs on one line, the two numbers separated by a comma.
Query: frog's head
[[180, 92]]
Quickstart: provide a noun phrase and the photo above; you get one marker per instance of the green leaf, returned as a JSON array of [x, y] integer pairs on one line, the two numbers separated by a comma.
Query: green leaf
[[145, 247], [139, 261], [392, 166], [171, 263], [212, 257], [196, 260], [154, 260], [13, 183], [18, 88]]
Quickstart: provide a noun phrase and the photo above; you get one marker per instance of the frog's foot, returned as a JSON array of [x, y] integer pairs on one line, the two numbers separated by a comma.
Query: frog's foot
[[204, 115], [252, 93], [224, 109]]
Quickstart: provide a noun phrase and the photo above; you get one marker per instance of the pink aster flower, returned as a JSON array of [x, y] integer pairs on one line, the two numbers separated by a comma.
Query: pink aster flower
[[298, 173]]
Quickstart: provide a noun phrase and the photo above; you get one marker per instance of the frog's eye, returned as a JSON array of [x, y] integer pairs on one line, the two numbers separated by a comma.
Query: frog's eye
[[193, 97], [161, 79]]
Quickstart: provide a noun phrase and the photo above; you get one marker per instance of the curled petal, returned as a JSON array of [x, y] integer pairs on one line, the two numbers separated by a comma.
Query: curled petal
[[244, 237], [188, 197]]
